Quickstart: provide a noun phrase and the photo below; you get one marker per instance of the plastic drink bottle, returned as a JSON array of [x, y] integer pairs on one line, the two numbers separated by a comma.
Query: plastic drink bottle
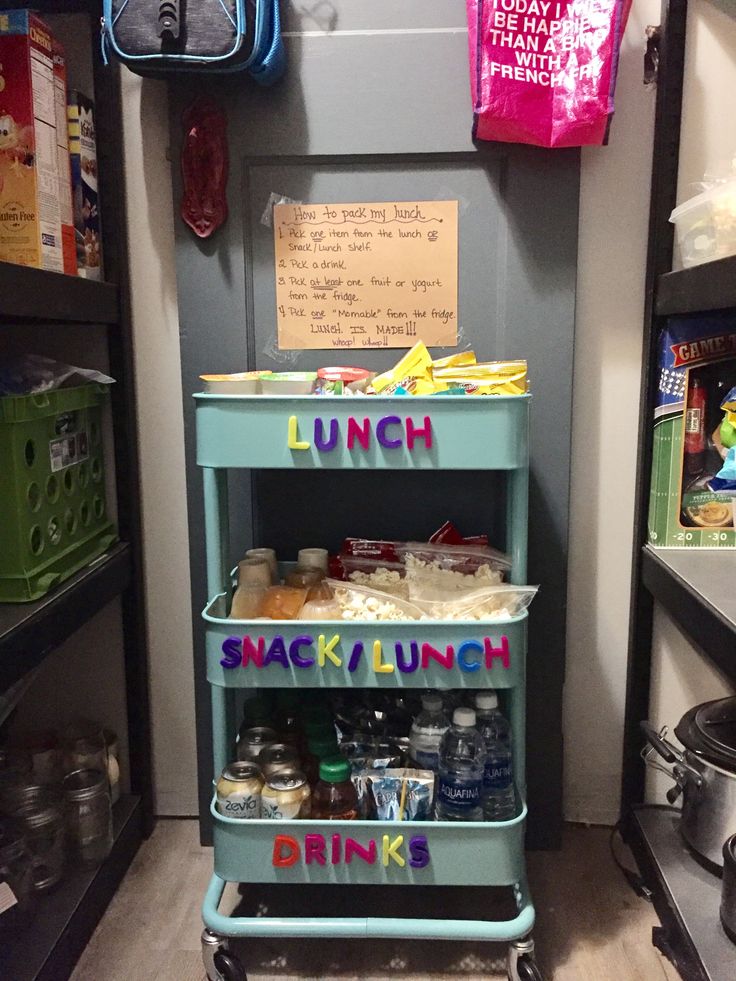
[[499, 801], [462, 757], [427, 731], [335, 797]]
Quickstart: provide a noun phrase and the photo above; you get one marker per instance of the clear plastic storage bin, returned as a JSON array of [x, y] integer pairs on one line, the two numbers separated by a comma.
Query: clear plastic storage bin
[[706, 225]]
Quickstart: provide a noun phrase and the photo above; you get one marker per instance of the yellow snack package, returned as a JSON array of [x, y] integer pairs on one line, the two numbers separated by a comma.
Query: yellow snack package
[[488, 378], [455, 360], [413, 373]]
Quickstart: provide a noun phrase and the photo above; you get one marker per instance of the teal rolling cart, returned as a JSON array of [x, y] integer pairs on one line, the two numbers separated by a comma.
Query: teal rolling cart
[[304, 432]]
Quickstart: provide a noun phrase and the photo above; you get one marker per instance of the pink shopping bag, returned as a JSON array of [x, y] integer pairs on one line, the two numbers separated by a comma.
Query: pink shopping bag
[[544, 71]]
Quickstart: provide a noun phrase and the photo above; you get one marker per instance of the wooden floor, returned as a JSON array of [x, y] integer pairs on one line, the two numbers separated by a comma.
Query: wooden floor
[[590, 925]]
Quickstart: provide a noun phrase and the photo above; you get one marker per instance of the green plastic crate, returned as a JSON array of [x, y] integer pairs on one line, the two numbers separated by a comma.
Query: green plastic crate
[[53, 512]]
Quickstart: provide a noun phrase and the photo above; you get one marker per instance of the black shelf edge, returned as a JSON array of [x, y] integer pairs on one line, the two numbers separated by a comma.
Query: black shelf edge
[[685, 895], [48, 945], [710, 286], [29, 294], [30, 631], [695, 586]]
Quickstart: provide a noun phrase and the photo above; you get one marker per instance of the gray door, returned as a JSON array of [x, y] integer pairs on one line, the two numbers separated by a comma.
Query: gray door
[[376, 107]]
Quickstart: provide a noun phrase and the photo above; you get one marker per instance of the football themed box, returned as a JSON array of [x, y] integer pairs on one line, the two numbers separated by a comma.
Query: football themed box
[[693, 493]]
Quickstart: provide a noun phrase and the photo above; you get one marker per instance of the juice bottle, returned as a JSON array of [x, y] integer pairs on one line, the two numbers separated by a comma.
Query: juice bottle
[[319, 747], [335, 797]]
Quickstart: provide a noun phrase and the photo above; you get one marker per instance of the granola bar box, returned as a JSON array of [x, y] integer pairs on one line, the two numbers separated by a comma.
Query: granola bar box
[[690, 505]]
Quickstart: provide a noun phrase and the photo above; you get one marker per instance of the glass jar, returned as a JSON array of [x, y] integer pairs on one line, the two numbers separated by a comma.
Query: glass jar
[[42, 749], [83, 745], [18, 790], [43, 822], [15, 864], [88, 816]]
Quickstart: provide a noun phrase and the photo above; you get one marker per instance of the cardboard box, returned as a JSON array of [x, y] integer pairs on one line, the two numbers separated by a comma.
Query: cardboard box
[[66, 214], [83, 157], [689, 506], [30, 224]]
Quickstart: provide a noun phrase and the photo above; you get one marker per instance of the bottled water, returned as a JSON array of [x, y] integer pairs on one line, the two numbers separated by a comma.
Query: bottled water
[[499, 801], [427, 731], [462, 756]]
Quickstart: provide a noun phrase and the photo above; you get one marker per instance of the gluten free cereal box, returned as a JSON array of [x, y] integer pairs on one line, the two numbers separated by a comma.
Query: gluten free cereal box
[[30, 222], [693, 496]]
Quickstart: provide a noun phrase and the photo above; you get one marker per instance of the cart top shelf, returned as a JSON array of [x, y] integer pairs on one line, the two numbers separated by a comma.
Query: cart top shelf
[[387, 433]]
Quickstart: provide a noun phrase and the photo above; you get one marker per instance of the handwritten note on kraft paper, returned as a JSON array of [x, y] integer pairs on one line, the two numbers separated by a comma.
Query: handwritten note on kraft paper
[[382, 274]]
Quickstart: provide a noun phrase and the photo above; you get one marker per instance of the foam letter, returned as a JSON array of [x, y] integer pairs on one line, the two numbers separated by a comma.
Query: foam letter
[[296, 659], [362, 434], [463, 649], [381, 427], [253, 653], [314, 849], [277, 652], [322, 444], [413, 434], [431, 653], [336, 839], [494, 652], [413, 660], [231, 648], [389, 850], [352, 847], [325, 650], [419, 851], [355, 656], [294, 442], [378, 666], [285, 851]]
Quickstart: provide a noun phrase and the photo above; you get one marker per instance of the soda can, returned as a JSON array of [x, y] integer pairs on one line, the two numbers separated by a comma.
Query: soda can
[[239, 790], [277, 756], [251, 741], [286, 796]]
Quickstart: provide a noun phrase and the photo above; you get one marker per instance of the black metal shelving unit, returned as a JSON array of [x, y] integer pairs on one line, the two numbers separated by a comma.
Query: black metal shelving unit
[[694, 586], [48, 944]]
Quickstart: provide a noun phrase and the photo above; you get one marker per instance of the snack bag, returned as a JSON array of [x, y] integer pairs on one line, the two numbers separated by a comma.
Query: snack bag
[[544, 72], [489, 378], [413, 374]]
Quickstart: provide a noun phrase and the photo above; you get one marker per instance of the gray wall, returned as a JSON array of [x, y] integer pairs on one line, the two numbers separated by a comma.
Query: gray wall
[[378, 108]]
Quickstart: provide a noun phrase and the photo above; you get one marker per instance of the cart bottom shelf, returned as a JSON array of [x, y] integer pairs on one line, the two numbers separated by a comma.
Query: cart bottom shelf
[[397, 927]]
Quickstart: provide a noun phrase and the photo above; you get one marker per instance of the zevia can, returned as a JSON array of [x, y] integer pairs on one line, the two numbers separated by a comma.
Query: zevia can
[[286, 796], [277, 756], [239, 790], [251, 741]]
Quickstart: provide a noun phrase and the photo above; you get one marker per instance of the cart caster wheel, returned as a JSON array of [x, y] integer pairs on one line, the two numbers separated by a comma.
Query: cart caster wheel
[[229, 968], [522, 965], [528, 970]]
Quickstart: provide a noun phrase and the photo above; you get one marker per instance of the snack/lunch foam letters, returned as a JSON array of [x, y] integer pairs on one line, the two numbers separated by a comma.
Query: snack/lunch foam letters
[[322, 444], [469, 655], [413, 434], [462, 652], [285, 851], [361, 433], [379, 665], [294, 442], [389, 850], [325, 650], [381, 427]]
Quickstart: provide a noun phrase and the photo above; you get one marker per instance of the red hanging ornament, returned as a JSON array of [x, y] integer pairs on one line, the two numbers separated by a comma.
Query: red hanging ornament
[[204, 167]]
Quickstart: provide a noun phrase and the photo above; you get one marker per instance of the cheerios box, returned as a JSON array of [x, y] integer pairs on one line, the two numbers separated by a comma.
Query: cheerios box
[[30, 221], [692, 499]]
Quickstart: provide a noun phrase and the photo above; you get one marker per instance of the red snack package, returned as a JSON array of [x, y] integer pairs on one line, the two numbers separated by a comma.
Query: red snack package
[[204, 167]]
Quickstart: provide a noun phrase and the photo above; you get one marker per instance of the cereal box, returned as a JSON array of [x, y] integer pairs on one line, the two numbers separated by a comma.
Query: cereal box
[[66, 214], [83, 156], [30, 224], [693, 496]]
